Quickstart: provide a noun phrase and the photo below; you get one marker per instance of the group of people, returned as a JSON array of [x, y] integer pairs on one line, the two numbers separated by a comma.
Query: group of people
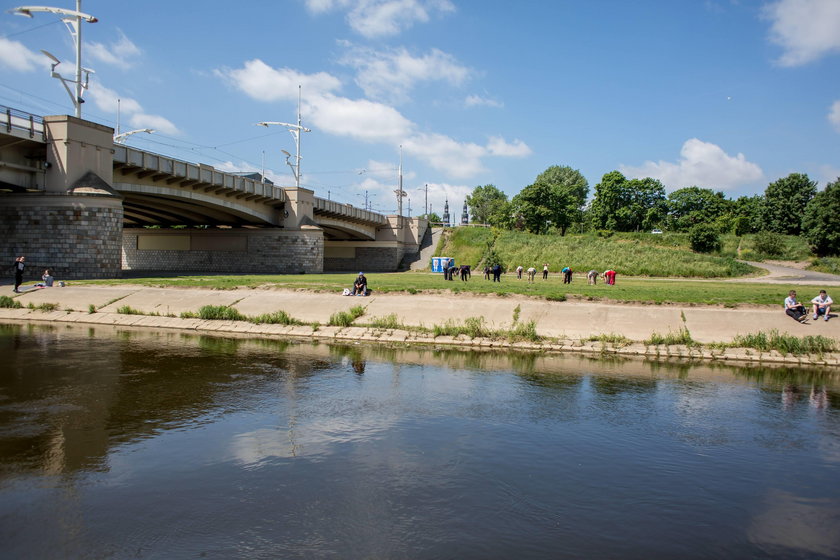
[[47, 279], [821, 306], [591, 276]]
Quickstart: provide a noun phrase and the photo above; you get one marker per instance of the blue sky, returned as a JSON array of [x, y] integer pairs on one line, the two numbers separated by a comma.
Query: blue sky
[[724, 94]]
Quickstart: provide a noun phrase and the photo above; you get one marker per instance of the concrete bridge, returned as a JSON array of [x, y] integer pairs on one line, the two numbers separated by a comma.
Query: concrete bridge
[[72, 200]]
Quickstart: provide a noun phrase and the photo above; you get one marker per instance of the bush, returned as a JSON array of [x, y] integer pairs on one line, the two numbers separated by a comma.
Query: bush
[[769, 243], [742, 226], [346, 318], [704, 239]]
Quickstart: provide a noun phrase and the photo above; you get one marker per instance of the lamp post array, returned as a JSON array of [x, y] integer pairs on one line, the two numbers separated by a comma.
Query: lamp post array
[[73, 20]]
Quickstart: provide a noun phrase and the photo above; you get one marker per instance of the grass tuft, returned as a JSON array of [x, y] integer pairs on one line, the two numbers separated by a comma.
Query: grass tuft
[[275, 318], [785, 343], [10, 303], [346, 318], [672, 338]]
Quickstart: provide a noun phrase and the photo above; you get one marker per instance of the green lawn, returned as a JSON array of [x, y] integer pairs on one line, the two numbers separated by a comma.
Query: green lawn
[[627, 289]]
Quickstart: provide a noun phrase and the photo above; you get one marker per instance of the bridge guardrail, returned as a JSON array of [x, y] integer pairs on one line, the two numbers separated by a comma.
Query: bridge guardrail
[[200, 173], [16, 120]]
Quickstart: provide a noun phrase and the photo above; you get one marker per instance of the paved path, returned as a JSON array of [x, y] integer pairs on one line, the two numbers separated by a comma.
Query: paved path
[[780, 274], [570, 320]]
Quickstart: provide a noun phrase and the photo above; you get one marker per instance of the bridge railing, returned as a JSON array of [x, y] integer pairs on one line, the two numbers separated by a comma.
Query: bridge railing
[[322, 205], [14, 120], [198, 173]]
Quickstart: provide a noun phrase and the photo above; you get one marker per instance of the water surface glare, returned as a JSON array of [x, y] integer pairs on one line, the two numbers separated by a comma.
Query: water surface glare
[[130, 444]]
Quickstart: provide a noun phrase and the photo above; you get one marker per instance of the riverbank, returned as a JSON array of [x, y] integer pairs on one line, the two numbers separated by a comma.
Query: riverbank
[[570, 326]]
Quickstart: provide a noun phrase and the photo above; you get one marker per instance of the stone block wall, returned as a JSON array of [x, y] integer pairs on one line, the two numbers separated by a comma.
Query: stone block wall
[[269, 251], [74, 236], [373, 259]]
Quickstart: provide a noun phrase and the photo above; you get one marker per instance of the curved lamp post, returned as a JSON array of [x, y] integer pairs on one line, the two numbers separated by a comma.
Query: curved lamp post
[[73, 20]]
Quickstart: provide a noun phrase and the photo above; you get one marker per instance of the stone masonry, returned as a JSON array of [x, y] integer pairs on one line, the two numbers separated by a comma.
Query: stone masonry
[[74, 236], [268, 251]]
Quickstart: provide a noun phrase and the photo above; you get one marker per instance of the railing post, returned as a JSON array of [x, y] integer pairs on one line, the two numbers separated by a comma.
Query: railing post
[[8, 120]]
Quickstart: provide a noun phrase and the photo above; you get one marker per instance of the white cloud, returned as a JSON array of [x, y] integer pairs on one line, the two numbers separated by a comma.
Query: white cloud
[[478, 101], [15, 56], [497, 146], [118, 53], [381, 18], [357, 118], [701, 164], [129, 109], [365, 120], [156, 122], [264, 83], [834, 115], [805, 29], [829, 174], [439, 194], [391, 74]]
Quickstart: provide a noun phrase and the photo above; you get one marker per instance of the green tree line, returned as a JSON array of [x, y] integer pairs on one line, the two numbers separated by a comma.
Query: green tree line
[[558, 202]]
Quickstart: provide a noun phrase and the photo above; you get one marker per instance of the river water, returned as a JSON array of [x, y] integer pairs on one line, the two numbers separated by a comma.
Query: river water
[[132, 444]]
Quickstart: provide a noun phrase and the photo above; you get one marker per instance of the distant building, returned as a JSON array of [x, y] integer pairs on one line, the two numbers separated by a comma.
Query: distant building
[[446, 213], [465, 217]]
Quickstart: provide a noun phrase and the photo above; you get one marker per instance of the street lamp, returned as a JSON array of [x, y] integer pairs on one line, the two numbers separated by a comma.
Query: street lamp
[[295, 130], [120, 138], [73, 20]]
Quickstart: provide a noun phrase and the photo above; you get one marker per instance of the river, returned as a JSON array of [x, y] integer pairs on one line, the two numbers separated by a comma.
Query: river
[[120, 443]]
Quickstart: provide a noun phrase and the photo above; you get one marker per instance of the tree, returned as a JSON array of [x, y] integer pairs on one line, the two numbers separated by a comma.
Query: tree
[[487, 205], [570, 191], [821, 223], [704, 238], [555, 199], [750, 208], [623, 204], [785, 201], [693, 205], [432, 217]]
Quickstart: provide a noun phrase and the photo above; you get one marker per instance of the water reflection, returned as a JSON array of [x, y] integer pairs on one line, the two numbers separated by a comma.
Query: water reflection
[[235, 447]]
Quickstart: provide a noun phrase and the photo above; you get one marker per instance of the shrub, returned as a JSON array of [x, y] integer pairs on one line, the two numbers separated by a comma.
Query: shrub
[[769, 243], [672, 338], [11, 303], [742, 226], [704, 239]]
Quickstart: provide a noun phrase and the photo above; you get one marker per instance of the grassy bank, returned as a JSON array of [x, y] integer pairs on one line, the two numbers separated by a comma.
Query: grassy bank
[[627, 289], [635, 254]]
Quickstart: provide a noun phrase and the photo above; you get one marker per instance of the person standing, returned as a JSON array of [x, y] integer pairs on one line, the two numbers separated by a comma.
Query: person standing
[[822, 305], [545, 271], [19, 267], [794, 309]]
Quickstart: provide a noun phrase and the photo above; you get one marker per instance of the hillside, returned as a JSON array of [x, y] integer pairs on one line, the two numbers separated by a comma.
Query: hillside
[[634, 254]]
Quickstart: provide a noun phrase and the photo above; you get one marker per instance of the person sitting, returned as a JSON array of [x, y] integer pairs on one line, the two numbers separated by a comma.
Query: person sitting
[[822, 305], [48, 278], [794, 309], [360, 285]]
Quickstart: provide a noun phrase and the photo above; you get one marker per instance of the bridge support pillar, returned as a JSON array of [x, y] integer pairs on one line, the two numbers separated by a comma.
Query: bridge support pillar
[[74, 225]]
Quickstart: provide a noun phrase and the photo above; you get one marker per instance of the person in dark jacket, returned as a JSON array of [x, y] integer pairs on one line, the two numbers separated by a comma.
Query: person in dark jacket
[[360, 285], [497, 273], [19, 267]]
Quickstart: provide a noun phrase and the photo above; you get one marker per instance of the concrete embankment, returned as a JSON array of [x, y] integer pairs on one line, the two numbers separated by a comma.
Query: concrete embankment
[[563, 326]]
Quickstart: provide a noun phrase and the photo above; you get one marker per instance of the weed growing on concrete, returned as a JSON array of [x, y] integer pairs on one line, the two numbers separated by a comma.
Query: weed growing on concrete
[[128, 310], [219, 313], [91, 308], [46, 307], [672, 338], [556, 297], [516, 311], [11, 303], [524, 331], [275, 318], [472, 327], [785, 343], [346, 318], [388, 322], [610, 338]]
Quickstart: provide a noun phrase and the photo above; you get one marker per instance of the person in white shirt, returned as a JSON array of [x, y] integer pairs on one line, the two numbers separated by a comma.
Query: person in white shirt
[[794, 309], [822, 305]]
